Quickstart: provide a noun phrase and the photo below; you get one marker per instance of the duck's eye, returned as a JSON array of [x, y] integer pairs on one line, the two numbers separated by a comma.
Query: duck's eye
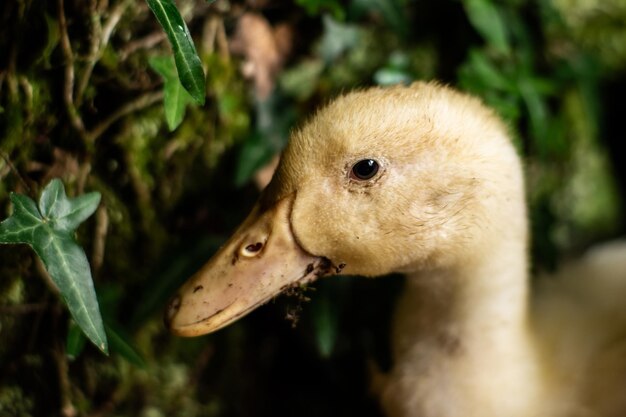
[[364, 169]]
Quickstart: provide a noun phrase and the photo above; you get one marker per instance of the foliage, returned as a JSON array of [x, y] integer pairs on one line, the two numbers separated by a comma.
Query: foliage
[[175, 98], [87, 96], [186, 58], [48, 228]]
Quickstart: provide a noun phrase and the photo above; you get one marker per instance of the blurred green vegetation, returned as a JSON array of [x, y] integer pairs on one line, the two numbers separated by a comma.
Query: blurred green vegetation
[[80, 100]]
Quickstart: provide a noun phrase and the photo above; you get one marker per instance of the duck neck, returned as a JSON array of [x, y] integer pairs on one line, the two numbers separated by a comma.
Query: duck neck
[[464, 333], [482, 301]]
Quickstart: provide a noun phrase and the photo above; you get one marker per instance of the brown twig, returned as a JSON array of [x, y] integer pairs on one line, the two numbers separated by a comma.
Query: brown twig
[[146, 42], [68, 88], [222, 41], [60, 359], [94, 51], [19, 309], [100, 234], [11, 79], [214, 34], [83, 173], [16, 172], [140, 103], [209, 33], [43, 272], [28, 89], [100, 36], [114, 18]]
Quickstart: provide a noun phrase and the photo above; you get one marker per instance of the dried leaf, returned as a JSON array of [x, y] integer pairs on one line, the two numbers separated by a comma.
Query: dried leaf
[[264, 53]]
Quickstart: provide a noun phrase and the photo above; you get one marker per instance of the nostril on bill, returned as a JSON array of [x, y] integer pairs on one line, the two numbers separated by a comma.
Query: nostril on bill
[[172, 309], [252, 249]]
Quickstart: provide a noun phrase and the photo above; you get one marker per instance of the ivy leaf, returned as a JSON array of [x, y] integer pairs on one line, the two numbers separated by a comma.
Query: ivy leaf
[[119, 343], [49, 230], [187, 61], [176, 98]]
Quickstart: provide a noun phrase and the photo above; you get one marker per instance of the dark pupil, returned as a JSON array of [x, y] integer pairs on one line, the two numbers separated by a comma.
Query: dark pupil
[[365, 169]]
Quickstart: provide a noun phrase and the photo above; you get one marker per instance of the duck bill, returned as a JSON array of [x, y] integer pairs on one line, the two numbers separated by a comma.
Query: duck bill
[[260, 261]]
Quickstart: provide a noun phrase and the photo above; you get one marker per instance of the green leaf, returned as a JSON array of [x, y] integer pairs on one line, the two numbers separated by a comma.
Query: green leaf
[[395, 72], [52, 41], [75, 341], [488, 21], [537, 108], [49, 230], [326, 324], [21, 225], [316, 7], [273, 119], [67, 215], [187, 61], [338, 38], [301, 80], [121, 346], [176, 98], [489, 72], [118, 342], [254, 154]]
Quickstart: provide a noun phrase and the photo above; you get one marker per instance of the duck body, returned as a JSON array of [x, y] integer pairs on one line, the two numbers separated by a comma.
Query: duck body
[[579, 319], [566, 359], [421, 180]]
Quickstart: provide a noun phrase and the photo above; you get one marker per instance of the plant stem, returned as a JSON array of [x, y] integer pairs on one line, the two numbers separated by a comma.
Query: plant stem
[[140, 103], [68, 88]]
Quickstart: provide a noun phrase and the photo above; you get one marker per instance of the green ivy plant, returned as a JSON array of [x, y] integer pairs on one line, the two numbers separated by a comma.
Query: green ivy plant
[[48, 228], [188, 64], [175, 97]]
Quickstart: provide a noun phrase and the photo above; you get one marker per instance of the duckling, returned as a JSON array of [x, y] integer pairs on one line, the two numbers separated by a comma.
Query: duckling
[[423, 180]]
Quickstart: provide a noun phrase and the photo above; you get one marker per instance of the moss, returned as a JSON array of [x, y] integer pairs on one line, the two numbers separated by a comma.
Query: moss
[[14, 402]]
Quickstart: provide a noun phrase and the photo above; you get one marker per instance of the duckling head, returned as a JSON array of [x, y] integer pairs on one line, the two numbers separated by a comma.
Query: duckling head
[[399, 179]]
